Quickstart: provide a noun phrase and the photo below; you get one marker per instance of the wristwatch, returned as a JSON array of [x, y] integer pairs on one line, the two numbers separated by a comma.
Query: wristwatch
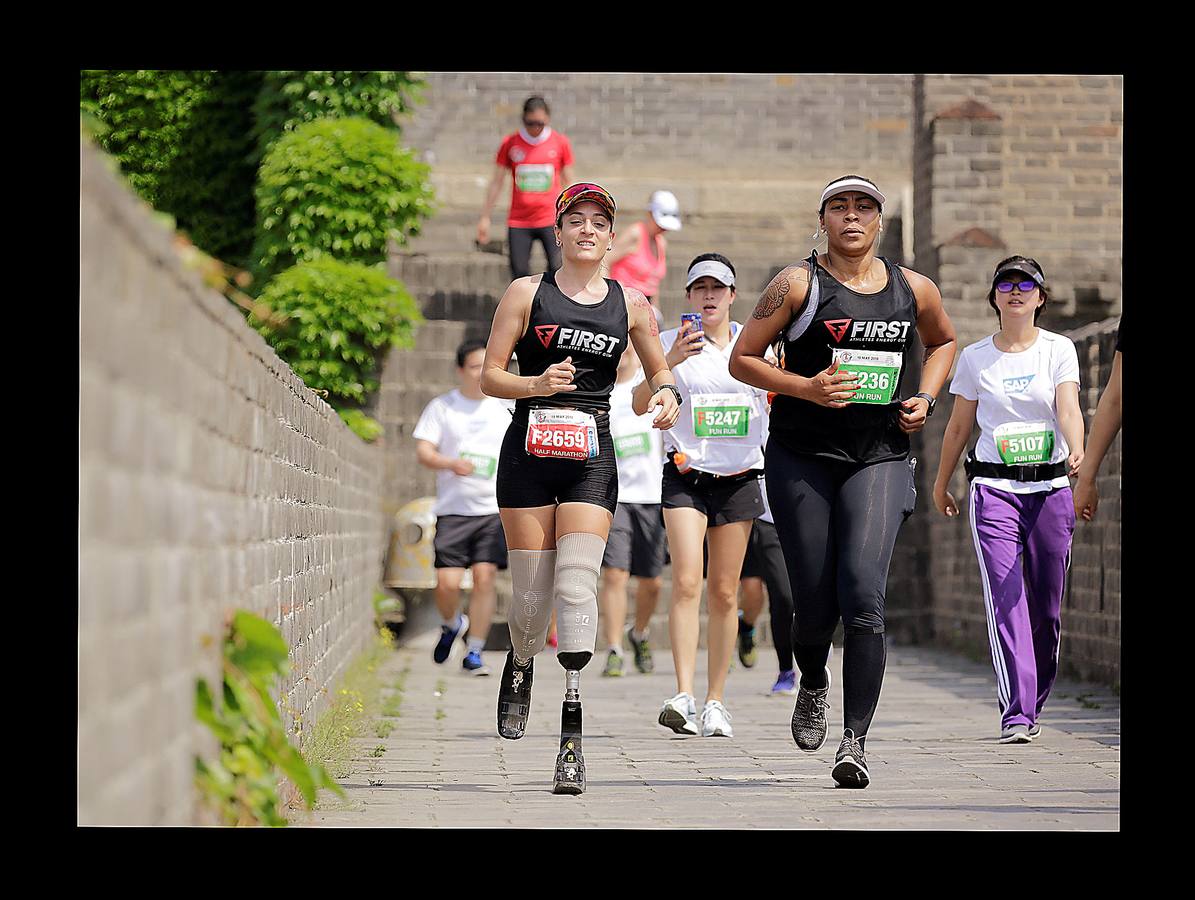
[[675, 392], [928, 399]]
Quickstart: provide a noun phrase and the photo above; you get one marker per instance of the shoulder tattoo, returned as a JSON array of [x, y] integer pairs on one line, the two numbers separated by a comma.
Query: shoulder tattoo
[[637, 299], [773, 295]]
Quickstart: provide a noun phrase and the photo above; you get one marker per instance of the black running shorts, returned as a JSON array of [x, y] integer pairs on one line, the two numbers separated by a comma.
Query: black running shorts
[[462, 541], [723, 500], [637, 541], [526, 481]]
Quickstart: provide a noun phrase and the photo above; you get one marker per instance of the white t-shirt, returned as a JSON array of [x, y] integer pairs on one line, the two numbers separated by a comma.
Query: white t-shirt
[[460, 427], [720, 427], [1017, 412], [638, 447]]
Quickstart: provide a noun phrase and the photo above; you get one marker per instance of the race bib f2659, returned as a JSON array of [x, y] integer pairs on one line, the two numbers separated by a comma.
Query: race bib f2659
[[561, 434]]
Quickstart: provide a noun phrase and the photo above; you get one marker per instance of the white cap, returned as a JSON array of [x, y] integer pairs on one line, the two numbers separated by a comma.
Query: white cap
[[712, 268], [851, 183], [665, 210]]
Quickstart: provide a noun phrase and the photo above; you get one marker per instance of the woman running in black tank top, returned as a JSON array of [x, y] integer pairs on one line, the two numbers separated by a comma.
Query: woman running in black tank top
[[838, 476], [557, 479]]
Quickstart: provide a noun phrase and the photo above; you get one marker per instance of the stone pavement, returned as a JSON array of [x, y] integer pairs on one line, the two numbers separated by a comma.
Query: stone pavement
[[933, 755]]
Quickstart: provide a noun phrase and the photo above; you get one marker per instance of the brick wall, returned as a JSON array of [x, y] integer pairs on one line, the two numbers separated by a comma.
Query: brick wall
[[210, 479]]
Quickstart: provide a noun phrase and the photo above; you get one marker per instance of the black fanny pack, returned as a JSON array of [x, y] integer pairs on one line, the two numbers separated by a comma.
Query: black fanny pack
[[1032, 472]]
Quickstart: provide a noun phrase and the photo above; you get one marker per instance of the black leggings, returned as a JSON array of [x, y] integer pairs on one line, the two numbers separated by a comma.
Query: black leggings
[[765, 544], [520, 240], [837, 524]]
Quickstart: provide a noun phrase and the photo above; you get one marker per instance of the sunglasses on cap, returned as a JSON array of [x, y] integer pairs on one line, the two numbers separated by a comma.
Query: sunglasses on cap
[[586, 190], [1005, 287]]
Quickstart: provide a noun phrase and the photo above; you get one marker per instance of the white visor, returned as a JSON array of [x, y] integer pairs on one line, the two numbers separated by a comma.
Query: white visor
[[851, 184], [713, 268]]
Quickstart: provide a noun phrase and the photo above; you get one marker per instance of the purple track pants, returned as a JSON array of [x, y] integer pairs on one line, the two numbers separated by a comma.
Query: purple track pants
[[1023, 542]]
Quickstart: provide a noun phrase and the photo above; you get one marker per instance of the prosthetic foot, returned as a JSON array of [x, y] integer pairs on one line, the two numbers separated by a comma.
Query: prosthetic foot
[[570, 763], [514, 698]]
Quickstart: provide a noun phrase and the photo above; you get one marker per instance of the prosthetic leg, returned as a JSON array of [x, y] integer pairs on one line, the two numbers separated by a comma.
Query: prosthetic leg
[[532, 574], [578, 561], [570, 762]]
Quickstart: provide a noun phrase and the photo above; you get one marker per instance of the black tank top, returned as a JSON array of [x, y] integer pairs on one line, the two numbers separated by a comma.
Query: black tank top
[[594, 335], [884, 321]]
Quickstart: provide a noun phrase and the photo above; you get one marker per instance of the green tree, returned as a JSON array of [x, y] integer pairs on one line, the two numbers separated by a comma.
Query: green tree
[[185, 142], [287, 99], [337, 188], [341, 317]]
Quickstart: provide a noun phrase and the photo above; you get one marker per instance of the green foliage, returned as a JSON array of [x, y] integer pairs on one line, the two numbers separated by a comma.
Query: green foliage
[[289, 99], [184, 140], [341, 317], [339, 188], [365, 427], [242, 783], [329, 741]]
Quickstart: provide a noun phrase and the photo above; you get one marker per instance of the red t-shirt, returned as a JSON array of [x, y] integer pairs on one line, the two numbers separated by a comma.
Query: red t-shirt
[[536, 169]]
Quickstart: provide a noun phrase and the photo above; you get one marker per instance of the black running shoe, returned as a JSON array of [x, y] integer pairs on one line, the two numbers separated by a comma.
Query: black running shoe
[[570, 763], [809, 717], [748, 655], [850, 767], [643, 660], [514, 698]]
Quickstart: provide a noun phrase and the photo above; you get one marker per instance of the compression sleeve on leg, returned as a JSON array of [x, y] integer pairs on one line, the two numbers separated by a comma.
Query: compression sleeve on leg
[[532, 573], [578, 562]]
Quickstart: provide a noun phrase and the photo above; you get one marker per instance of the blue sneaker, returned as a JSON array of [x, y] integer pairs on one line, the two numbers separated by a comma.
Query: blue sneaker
[[786, 683], [473, 664], [447, 636]]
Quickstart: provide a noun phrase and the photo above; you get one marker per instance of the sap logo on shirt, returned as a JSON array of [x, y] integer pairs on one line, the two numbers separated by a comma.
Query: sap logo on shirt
[[1018, 385], [868, 330], [577, 339]]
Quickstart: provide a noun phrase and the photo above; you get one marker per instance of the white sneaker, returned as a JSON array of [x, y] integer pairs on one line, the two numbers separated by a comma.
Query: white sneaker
[[680, 714], [715, 720]]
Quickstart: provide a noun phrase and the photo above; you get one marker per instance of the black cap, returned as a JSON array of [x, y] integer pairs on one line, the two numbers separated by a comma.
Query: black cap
[[1020, 264]]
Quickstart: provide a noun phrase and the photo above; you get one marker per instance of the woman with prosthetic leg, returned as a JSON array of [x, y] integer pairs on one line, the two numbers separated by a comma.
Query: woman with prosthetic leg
[[557, 479]]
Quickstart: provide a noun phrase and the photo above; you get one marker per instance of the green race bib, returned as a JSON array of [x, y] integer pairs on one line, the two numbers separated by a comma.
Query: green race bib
[[483, 466], [878, 372], [632, 445], [534, 178], [1025, 442], [721, 415]]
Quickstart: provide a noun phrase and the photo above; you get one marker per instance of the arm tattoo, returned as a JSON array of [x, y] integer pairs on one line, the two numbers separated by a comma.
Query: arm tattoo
[[773, 297], [637, 299]]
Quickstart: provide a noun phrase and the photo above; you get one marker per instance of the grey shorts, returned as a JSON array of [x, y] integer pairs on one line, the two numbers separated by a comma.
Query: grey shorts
[[636, 543], [462, 541]]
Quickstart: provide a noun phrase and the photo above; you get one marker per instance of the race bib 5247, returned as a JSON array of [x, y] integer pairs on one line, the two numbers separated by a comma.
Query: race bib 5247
[[721, 415]]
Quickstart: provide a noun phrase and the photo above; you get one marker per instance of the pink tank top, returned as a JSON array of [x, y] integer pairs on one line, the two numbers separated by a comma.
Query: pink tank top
[[642, 270]]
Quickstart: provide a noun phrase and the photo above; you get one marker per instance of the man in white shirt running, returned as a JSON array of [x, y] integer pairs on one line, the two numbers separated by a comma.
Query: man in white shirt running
[[458, 435]]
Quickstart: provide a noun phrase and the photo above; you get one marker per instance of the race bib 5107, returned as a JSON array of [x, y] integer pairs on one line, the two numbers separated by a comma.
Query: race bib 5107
[[1020, 443]]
